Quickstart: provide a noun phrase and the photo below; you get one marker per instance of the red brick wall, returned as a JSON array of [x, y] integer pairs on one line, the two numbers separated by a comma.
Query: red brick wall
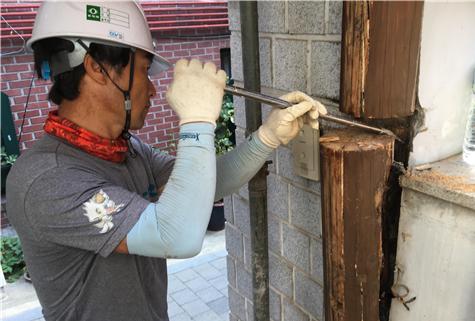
[[161, 126]]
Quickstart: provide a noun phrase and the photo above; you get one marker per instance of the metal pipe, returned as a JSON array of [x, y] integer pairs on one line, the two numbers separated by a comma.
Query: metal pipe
[[284, 104], [258, 184]]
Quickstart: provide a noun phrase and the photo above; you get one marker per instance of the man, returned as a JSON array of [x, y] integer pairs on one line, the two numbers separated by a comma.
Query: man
[[84, 200]]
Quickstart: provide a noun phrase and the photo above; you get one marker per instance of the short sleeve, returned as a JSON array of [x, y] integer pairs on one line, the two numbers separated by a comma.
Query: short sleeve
[[79, 208], [161, 163]]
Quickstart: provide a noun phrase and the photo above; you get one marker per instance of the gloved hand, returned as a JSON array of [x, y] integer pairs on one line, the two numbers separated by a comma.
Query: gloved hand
[[283, 125], [197, 90]]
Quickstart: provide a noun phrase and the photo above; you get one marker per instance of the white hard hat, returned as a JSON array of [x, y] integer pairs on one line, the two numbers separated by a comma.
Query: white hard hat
[[115, 23]]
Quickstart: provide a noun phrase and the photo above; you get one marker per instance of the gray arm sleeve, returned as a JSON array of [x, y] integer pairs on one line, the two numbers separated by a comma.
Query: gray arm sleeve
[[236, 168], [175, 226]]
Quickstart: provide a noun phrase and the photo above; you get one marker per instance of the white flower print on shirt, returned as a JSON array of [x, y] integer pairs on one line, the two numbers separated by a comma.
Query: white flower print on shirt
[[99, 209]]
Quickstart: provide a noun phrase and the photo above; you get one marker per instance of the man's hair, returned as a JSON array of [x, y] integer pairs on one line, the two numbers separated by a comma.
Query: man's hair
[[66, 84]]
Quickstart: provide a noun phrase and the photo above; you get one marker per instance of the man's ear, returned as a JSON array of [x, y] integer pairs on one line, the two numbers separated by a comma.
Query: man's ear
[[94, 71]]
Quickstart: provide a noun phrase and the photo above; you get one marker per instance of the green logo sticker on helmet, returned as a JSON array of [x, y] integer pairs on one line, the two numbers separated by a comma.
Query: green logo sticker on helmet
[[93, 13]]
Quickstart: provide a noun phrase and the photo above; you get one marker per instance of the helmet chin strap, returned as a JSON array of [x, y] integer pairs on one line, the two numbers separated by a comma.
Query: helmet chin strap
[[127, 101]]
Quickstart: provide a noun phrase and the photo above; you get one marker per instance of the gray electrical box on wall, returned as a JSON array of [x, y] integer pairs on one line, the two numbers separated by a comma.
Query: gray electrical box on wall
[[306, 152]]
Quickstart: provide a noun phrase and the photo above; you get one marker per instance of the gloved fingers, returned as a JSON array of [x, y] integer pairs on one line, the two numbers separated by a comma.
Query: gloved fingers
[[321, 109], [313, 123], [181, 65], [195, 64], [300, 122], [300, 109], [296, 97], [210, 68], [221, 77]]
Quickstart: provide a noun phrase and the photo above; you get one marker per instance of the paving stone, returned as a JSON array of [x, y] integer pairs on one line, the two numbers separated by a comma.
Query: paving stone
[[296, 247], [236, 305], [325, 69], [278, 196], [228, 209], [271, 16], [195, 308], [207, 271], [207, 316], [280, 275], [220, 282], [174, 284], [306, 211], [231, 271], [220, 305], [293, 313], [244, 283], [186, 275], [174, 309], [209, 294], [317, 260], [274, 305], [309, 295], [184, 296], [306, 17], [335, 10], [219, 263], [197, 284], [181, 317], [224, 291], [275, 238], [291, 64], [224, 316], [234, 244], [241, 215]]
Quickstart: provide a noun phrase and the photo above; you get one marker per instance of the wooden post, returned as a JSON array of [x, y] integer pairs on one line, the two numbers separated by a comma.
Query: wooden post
[[354, 167], [380, 56]]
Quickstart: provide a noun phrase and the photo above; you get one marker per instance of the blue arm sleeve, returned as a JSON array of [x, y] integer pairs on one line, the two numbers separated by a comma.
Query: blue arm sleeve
[[175, 226], [236, 168]]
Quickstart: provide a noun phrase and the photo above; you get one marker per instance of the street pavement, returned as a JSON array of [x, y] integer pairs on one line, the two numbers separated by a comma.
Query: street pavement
[[197, 288]]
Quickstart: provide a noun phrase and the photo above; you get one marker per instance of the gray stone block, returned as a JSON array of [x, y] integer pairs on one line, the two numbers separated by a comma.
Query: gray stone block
[[236, 55], [280, 275], [234, 244], [325, 69], [274, 305], [275, 238], [278, 197], [244, 192], [239, 116], [335, 10], [231, 267], [228, 209], [293, 313], [305, 211], [249, 310], [316, 252], [307, 17], [234, 15], [240, 135], [244, 281], [309, 295], [237, 305], [296, 247], [271, 16], [241, 215], [265, 49], [290, 64], [247, 253]]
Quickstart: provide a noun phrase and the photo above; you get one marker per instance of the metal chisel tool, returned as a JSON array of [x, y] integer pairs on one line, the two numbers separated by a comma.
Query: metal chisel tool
[[238, 91]]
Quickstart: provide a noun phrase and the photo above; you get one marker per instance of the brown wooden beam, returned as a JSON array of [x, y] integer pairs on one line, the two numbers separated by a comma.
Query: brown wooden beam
[[354, 167], [380, 56]]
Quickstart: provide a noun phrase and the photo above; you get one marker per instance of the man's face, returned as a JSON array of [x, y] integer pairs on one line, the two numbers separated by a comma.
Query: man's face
[[142, 89]]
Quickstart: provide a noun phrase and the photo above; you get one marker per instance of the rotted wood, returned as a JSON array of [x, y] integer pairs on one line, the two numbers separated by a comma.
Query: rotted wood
[[380, 56], [355, 168]]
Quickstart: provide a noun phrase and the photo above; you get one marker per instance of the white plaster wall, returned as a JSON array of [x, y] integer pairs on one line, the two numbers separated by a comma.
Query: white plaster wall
[[445, 80]]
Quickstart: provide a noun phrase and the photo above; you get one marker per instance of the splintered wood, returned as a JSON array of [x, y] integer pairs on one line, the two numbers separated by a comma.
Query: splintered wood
[[355, 169]]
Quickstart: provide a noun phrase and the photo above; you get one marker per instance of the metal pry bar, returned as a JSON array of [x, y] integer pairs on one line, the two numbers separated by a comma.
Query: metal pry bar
[[238, 91]]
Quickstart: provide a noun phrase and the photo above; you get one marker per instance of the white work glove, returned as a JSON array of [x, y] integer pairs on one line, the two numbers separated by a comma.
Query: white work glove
[[197, 90], [283, 125]]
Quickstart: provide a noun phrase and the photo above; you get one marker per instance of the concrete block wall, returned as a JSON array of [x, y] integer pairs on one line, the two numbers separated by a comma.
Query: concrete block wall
[[299, 50]]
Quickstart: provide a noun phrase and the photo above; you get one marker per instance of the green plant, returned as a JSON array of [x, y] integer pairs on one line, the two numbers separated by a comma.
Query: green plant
[[224, 125], [11, 256], [7, 159]]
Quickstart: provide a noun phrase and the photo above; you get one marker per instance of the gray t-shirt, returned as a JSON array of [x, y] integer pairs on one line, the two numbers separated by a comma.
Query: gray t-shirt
[[71, 210]]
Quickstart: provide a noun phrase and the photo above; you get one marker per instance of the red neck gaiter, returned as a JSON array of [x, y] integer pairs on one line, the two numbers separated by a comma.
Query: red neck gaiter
[[108, 149]]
